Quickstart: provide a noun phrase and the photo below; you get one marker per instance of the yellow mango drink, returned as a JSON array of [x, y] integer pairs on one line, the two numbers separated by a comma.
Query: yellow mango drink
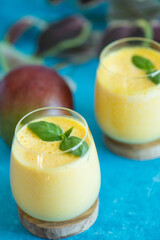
[[127, 100], [48, 183]]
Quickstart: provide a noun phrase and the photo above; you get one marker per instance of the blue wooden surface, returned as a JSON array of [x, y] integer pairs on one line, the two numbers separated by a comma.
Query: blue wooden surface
[[130, 190]]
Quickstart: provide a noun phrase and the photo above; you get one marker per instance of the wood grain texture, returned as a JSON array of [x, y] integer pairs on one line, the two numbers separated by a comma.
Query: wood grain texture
[[63, 229], [141, 152]]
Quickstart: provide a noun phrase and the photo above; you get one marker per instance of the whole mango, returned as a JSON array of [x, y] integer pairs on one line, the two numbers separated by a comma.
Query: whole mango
[[27, 88]]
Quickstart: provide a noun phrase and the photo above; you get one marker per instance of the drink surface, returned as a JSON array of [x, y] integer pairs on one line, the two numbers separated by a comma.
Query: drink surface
[[126, 100], [30, 141], [123, 76], [49, 184]]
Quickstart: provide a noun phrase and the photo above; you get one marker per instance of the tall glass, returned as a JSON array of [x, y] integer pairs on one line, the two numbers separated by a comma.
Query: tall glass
[[54, 186], [127, 102]]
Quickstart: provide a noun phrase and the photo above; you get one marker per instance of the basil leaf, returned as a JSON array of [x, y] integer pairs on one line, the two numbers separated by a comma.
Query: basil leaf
[[142, 63], [72, 142], [68, 132], [155, 77], [51, 132], [46, 131]]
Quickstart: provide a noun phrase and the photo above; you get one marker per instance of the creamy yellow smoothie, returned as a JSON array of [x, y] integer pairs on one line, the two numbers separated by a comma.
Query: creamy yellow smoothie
[[50, 184], [127, 102]]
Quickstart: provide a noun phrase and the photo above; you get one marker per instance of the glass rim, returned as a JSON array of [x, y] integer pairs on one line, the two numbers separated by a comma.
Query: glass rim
[[129, 39], [49, 108]]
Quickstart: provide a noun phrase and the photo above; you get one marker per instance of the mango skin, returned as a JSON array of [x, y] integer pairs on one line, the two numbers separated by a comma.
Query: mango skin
[[27, 88]]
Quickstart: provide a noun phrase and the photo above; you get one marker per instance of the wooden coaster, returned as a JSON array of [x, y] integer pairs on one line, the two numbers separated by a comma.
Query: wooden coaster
[[63, 229], [141, 152]]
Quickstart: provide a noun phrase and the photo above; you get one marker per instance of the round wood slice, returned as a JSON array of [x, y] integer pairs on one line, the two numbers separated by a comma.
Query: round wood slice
[[141, 152], [63, 229]]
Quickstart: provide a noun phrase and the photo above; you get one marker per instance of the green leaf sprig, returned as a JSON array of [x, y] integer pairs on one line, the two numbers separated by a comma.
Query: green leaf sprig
[[47, 131], [148, 67]]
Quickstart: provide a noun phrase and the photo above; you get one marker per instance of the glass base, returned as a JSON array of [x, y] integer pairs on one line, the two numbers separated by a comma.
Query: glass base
[[63, 229], [147, 151]]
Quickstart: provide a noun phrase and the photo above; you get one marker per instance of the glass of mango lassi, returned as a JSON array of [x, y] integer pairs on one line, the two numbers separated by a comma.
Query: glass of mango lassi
[[55, 174], [127, 97]]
